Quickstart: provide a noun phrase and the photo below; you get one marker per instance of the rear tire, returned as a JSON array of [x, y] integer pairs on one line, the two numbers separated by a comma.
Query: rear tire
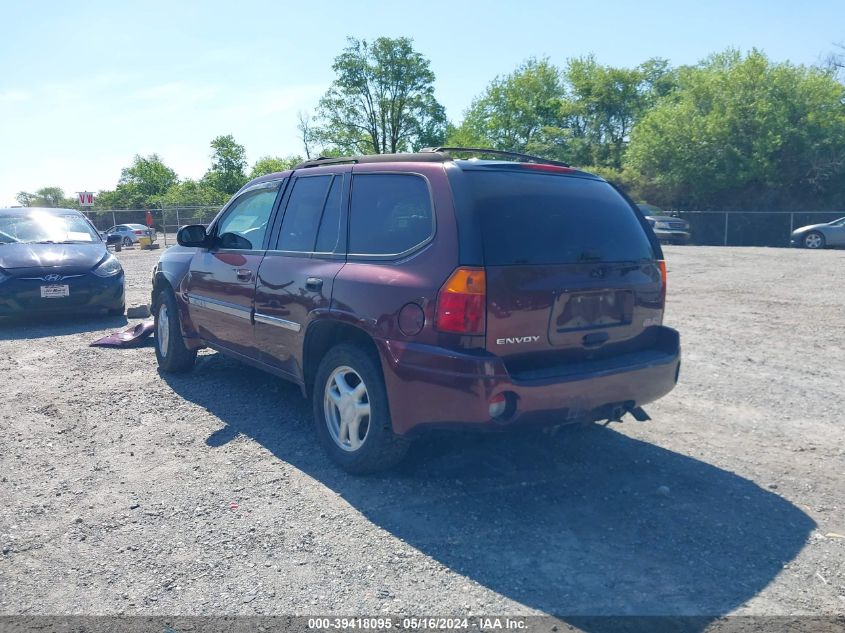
[[351, 412], [814, 240], [117, 311], [172, 354]]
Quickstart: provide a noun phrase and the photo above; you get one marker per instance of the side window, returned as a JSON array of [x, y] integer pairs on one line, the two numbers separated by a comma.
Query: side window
[[390, 214], [245, 222], [302, 214], [328, 235]]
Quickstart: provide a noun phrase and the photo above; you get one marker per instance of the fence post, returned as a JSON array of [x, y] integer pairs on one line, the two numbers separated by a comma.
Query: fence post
[[113, 218], [726, 229], [791, 222]]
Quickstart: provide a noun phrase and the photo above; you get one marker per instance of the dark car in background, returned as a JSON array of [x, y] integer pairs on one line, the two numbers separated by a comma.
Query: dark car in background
[[415, 291], [820, 235], [54, 260], [669, 229]]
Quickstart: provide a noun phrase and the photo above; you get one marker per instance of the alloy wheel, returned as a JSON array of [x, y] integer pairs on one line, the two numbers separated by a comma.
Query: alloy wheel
[[163, 330], [813, 240], [346, 404]]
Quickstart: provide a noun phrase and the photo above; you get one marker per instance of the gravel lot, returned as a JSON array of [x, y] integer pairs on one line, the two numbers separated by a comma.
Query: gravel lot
[[123, 491]]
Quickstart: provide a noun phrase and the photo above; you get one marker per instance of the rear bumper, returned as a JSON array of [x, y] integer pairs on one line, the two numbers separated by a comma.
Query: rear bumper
[[434, 387], [673, 236], [87, 293]]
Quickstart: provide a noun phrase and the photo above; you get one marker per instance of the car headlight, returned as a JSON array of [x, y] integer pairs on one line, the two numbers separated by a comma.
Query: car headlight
[[662, 225], [109, 267]]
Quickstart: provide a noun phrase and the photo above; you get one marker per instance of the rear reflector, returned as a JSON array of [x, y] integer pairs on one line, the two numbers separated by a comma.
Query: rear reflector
[[461, 302], [498, 404]]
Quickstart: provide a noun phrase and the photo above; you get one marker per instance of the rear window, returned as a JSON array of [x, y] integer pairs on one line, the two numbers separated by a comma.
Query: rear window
[[529, 218]]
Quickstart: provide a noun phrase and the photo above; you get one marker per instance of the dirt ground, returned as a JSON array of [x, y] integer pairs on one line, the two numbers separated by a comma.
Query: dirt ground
[[125, 491]]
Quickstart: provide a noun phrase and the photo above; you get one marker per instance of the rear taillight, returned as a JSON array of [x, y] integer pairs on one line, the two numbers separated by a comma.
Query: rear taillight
[[662, 264], [461, 302], [137, 232]]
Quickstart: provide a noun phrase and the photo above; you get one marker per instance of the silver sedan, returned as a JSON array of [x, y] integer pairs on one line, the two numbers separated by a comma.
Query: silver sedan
[[820, 235]]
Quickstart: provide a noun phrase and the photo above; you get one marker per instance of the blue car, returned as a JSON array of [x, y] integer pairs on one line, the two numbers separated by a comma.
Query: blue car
[[54, 260]]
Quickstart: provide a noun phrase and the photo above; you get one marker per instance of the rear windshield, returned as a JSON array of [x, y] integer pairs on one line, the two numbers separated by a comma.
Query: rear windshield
[[529, 218]]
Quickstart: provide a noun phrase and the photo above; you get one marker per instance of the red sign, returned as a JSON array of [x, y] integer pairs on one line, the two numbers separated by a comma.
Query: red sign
[[86, 198], [149, 219]]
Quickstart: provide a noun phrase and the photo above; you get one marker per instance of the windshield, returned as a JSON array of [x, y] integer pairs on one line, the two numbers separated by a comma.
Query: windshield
[[45, 227]]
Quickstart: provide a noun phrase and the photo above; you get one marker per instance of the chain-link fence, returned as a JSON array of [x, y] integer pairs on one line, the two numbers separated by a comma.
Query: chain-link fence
[[166, 221], [751, 228], [717, 228]]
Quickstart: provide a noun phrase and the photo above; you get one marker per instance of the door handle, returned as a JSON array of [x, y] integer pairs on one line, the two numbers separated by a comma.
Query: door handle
[[313, 283], [243, 274]]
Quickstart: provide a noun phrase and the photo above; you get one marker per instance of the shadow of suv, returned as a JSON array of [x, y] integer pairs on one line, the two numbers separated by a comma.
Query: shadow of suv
[[412, 291]]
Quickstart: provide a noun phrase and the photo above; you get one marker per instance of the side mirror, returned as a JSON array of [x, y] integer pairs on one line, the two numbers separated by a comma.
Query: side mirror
[[193, 235]]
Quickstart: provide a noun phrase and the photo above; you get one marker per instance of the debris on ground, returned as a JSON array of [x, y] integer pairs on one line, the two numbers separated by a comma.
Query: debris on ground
[[138, 312], [130, 336]]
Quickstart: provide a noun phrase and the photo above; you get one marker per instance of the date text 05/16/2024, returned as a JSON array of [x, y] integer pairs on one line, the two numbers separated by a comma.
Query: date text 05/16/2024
[[416, 623]]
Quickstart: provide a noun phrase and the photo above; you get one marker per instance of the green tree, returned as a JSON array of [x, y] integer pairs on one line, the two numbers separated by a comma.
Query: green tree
[[25, 198], [582, 114], [148, 176], [140, 184], [519, 112], [604, 103], [192, 193], [228, 165], [742, 132], [381, 101], [53, 197], [270, 164]]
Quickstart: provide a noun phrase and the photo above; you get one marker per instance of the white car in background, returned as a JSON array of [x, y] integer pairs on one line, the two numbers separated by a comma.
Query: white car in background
[[820, 235], [131, 233]]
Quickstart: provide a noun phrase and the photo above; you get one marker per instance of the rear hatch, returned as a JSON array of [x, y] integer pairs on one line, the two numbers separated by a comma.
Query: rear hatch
[[572, 275]]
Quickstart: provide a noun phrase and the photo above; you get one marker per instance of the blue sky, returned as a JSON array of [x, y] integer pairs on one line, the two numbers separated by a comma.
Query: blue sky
[[85, 86]]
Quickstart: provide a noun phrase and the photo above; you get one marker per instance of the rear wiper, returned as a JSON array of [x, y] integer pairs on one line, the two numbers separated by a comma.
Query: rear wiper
[[590, 256]]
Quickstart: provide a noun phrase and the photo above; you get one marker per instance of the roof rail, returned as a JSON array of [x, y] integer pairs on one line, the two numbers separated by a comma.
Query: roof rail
[[524, 158], [420, 157], [325, 160]]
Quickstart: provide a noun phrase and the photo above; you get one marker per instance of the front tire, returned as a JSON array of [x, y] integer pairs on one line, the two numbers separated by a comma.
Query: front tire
[[351, 412], [172, 354], [814, 240], [127, 241]]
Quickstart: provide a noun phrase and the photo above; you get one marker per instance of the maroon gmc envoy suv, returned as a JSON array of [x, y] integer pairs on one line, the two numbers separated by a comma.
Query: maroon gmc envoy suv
[[412, 291]]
